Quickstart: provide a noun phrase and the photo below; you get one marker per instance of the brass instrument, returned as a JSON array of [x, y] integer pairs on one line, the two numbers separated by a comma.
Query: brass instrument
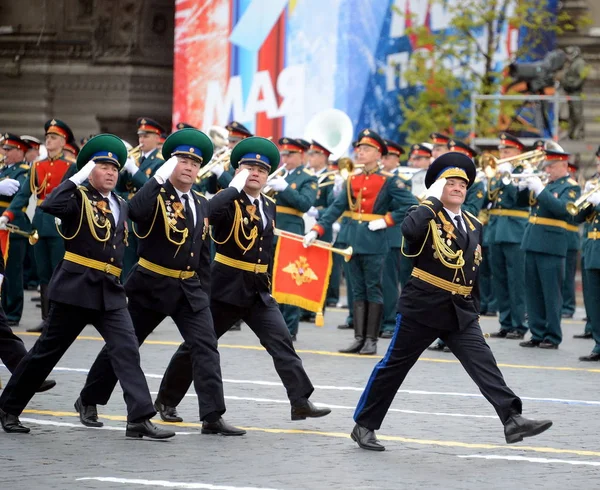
[[280, 172], [31, 235], [345, 252], [529, 160], [221, 157], [574, 208], [514, 178], [346, 168]]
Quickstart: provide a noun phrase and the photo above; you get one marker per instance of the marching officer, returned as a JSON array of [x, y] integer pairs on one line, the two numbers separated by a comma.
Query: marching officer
[[136, 174], [545, 243], [243, 221], [574, 244], [43, 177], [440, 300], [86, 289], [294, 194], [419, 156], [374, 200], [172, 227]]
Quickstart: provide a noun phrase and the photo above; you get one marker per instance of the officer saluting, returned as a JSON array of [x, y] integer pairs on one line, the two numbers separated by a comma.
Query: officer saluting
[[440, 301], [243, 221], [85, 289]]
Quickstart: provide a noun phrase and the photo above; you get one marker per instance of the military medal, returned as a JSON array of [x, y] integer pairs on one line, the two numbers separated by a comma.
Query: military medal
[[245, 220], [178, 208], [251, 210], [448, 242], [477, 258]]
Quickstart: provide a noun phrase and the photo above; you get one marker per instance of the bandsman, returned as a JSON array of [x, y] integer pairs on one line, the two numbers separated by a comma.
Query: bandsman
[[574, 239], [439, 142], [33, 150]]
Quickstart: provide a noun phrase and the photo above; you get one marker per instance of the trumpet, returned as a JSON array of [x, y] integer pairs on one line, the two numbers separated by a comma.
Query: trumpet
[[529, 160], [575, 207], [280, 172], [31, 235], [345, 252], [515, 178], [221, 157], [347, 167], [135, 152]]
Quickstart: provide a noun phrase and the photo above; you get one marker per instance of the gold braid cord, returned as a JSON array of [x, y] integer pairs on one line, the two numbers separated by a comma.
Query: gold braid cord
[[352, 206], [532, 199], [32, 181], [237, 227], [88, 209]]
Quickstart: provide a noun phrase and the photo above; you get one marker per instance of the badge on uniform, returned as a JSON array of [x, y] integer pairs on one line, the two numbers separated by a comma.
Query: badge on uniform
[[148, 172], [251, 210], [293, 185], [312, 186], [205, 228], [478, 257], [178, 208], [400, 184]]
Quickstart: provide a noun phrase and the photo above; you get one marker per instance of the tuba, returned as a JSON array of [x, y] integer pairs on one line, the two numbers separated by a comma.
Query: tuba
[[333, 129]]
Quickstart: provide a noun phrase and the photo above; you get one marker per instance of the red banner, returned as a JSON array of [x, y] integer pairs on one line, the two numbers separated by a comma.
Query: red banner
[[4, 244], [300, 275]]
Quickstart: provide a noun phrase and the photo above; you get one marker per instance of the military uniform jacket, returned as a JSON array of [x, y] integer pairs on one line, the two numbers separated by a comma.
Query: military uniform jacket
[[232, 215], [76, 284], [428, 304], [504, 228], [18, 171], [394, 233], [475, 198], [551, 204], [128, 185], [325, 198], [590, 249], [295, 200], [43, 177], [372, 193]]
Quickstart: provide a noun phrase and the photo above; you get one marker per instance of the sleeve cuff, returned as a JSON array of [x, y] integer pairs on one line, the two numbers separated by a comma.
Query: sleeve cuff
[[389, 220], [9, 214], [319, 229]]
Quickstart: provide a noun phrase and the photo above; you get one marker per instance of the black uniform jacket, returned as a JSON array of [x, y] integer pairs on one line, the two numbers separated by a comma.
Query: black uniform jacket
[[428, 304], [153, 209], [76, 284], [229, 284]]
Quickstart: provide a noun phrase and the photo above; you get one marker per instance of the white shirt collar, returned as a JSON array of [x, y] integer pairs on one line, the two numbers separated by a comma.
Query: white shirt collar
[[453, 215]]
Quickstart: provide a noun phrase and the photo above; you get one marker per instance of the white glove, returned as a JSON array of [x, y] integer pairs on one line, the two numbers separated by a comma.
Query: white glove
[[130, 166], [165, 170], [84, 173], [278, 184], [535, 184], [217, 170], [58, 221], [239, 180], [594, 199], [378, 224], [505, 167], [1, 279], [310, 238], [3, 222], [522, 184], [313, 212], [589, 185], [8, 187], [336, 227], [436, 189]]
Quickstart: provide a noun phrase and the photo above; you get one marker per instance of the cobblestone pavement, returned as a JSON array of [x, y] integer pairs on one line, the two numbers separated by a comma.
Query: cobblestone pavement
[[440, 433]]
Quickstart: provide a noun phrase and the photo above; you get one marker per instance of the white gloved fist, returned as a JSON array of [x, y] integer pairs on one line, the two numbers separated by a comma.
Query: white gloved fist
[[336, 227], [522, 184], [239, 180], [57, 221], [1, 279], [313, 212], [3, 222], [437, 188], [84, 173], [505, 167], [278, 184], [534, 184], [377, 224], [217, 170], [310, 238], [589, 185], [8, 187], [130, 166], [594, 199], [165, 170]]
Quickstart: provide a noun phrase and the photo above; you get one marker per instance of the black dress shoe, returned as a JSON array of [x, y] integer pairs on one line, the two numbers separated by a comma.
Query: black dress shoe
[[567, 315], [294, 338], [36, 299], [88, 414], [147, 429], [12, 323], [547, 345], [236, 326], [437, 346], [387, 334], [517, 427], [593, 357], [500, 334], [331, 304], [167, 413], [37, 329], [46, 385], [369, 348], [365, 438], [221, 427], [489, 313], [345, 326], [515, 335], [530, 343], [582, 336], [303, 408], [11, 423]]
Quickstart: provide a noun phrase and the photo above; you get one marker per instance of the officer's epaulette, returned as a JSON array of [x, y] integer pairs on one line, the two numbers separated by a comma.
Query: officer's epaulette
[[24, 166], [269, 198], [159, 155], [386, 173], [119, 198], [308, 172], [472, 216], [198, 193], [572, 181], [331, 177], [83, 188]]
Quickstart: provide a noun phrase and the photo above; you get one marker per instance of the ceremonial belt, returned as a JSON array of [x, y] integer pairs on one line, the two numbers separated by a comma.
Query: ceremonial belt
[[362, 216], [441, 283], [164, 271], [288, 210], [92, 264], [240, 264], [6, 204], [509, 212], [40, 201], [536, 220], [594, 235]]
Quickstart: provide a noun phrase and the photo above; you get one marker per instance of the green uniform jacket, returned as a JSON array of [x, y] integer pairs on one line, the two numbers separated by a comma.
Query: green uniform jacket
[[394, 233], [128, 185], [475, 198], [18, 171], [324, 199], [550, 204], [505, 228], [590, 216], [295, 200]]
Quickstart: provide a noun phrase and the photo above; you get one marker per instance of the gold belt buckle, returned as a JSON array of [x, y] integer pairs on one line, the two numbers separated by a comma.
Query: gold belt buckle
[[256, 268], [106, 268], [182, 275]]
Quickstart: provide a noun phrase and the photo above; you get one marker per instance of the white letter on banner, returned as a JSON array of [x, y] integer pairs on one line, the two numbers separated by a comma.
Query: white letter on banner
[[215, 102], [290, 87]]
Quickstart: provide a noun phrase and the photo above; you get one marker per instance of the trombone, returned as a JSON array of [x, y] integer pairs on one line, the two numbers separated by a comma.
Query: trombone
[[575, 207], [31, 235], [345, 252], [221, 157], [282, 171]]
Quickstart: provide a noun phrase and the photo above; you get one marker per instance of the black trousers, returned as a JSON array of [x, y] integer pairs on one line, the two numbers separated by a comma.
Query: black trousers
[[65, 323], [12, 349], [270, 328], [197, 330], [409, 341]]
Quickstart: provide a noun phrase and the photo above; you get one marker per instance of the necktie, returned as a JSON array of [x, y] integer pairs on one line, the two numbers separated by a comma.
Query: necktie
[[260, 221], [189, 215], [142, 158], [109, 214], [459, 227]]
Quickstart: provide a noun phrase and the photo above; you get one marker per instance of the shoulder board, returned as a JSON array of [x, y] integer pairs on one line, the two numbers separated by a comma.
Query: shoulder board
[[331, 177], [119, 198], [477, 180], [24, 166], [159, 155], [199, 194], [83, 188], [386, 173], [475, 218], [269, 198], [308, 171], [572, 182], [403, 177]]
